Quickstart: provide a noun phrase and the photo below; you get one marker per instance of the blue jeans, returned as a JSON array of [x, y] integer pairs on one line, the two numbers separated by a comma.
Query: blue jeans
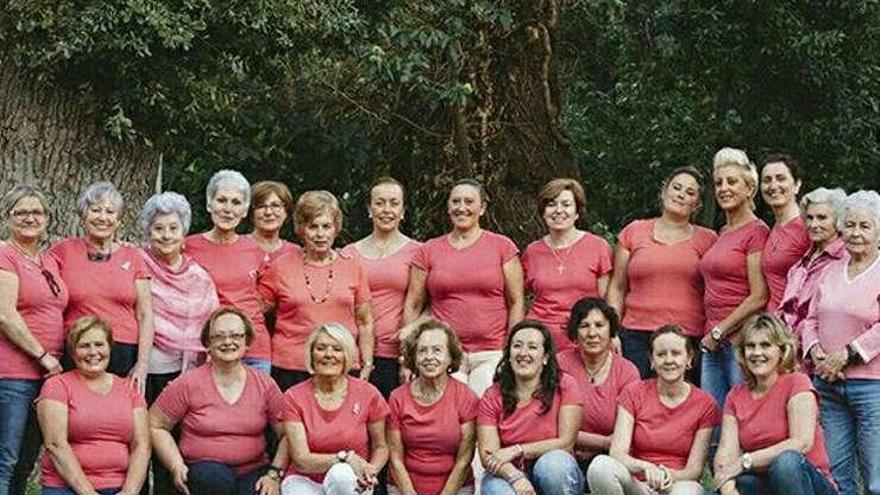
[[718, 374], [554, 473], [214, 478], [850, 414], [789, 474], [262, 365], [16, 397], [48, 490]]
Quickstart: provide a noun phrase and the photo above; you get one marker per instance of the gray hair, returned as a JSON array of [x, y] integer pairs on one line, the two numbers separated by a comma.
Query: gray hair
[[339, 333], [20, 191], [832, 197], [860, 199], [166, 203], [230, 178], [733, 157], [98, 191]]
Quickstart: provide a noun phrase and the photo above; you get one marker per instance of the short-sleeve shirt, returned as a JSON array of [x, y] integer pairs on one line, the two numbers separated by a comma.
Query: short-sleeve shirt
[[212, 429], [786, 245], [41, 310], [600, 401], [664, 284], [286, 247], [558, 278], [100, 428], [466, 287], [345, 428], [105, 289], [431, 434], [332, 295]]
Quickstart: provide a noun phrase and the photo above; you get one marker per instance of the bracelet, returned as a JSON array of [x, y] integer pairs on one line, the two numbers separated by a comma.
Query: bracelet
[[518, 475], [275, 473], [41, 356], [519, 449]]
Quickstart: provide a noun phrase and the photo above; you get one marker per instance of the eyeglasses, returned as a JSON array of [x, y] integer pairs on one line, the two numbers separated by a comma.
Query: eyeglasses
[[53, 284], [23, 214], [220, 338], [271, 206]]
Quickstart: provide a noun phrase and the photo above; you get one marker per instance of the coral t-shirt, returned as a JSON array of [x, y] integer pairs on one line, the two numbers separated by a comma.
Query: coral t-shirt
[[286, 247], [431, 434], [466, 287], [786, 245], [600, 401], [558, 278], [100, 428], [41, 310], [105, 289], [212, 429]]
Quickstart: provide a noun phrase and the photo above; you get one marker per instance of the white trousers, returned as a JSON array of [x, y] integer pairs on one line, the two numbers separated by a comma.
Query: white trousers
[[608, 476], [339, 480]]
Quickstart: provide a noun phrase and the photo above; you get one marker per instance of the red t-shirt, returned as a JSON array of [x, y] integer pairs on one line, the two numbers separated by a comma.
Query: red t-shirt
[[212, 429], [431, 434], [600, 401], [297, 314], [725, 272], [786, 245], [345, 428], [664, 284], [105, 289], [556, 290], [286, 247], [42, 312], [234, 268], [665, 435], [99, 428], [764, 422], [466, 287]]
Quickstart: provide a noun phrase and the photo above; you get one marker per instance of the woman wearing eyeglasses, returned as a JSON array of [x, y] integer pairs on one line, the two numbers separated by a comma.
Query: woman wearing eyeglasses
[[32, 302], [271, 206]]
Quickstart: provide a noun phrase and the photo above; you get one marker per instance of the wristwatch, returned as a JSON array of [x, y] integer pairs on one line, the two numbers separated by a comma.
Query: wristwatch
[[852, 355], [342, 456], [716, 334], [746, 461], [275, 473]]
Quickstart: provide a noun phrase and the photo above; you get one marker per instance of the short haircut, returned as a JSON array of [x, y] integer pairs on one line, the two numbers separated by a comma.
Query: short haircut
[[832, 197], [779, 335], [582, 308], [410, 345], [205, 337], [555, 187], [166, 203], [794, 167], [687, 170], [83, 325], [867, 199], [312, 204], [265, 188], [228, 178], [339, 333], [484, 196], [674, 330], [732, 157], [386, 180], [21, 191], [96, 192]]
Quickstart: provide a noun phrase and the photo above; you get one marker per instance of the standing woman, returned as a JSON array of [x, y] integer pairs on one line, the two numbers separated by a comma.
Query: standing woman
[[271, 206], [386, 255], [315, 286], [842, 338], [567, 264], [32, 301], [656, 276], [474, 280], [108, 279], [789, 238]]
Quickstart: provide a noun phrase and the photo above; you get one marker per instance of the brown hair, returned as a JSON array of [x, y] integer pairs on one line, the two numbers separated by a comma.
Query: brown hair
[[383, 180], [311, 204], [263, 189], [779, 335], [83, 325], [452, 343], [674, 330], [205, 337], [555, 187]]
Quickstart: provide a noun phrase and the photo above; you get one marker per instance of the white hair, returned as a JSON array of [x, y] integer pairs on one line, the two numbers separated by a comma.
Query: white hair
[[867, 199], [229, 178], [96, 192], [832, 197], [339, 333], [166, 203]]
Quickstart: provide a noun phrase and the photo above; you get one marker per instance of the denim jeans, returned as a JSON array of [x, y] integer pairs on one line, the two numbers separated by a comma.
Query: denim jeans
[[850, 414], [719, 373], [16, 397], [789, 474], [262, 365], [48, 490], [214, 478], [554, 473]]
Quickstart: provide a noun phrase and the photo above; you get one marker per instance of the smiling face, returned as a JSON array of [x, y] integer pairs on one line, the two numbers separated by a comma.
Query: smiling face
[[91, 354], [761, 355], [227, 208], [594, 333], [860, 232], [166, 236], [318, 235], [527, 354], [432, 353], [561, 212], [386, 207], [328, 356], [670, 357], [681, 195], [731, 189], [101, 219], [227, 339], [779, 188], [270, 214], [27, 219], [465, 207], [821, 222]]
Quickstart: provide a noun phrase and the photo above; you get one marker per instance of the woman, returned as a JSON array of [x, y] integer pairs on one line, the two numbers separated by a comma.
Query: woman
[[223, 408], [315, 286], [233, 260], [32, 301], [656, 277], [771, 441], [271, 205], [117, 286], [386, 255], [731, 269], [788, 239], [431, 430], [474, 281], [567, 263], [842, 338], [663, 427], [528, 421], [335, 423], [94, 425], [601, 374]]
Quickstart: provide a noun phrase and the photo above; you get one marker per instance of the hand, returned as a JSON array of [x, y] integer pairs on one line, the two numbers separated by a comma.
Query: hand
[[178, 476], [138, 376], [365, 372], [709, 344], [405, 374], [656, 477], [365, 472], [831, 368], [50, 364], [727, 472], [616, 346], [501, 457], [818, 354], [523, 486], [667, 480], [728, 489], [267, 485]]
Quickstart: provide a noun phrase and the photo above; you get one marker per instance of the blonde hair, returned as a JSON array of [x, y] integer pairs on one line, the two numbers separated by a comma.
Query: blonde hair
[[83, 325], [779, 335], [311, 204], [737, 158], [339, 333]]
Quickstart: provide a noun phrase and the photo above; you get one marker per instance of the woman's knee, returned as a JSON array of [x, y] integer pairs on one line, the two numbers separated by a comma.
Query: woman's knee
[[787, 466]]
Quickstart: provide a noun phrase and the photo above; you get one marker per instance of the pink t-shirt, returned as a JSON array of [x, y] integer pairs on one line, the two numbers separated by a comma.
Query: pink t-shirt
[[664, 284], [764, 422], [803, 281], [600, 401], [41, 310], [286, 247], [786, 245], [664, 435], [345, 428], [431, 434], [212, 429], [725, 271], [466, 287], [234, 268], [283, 283], [558, 278], [105, 289], [99, 428], [388, 279]]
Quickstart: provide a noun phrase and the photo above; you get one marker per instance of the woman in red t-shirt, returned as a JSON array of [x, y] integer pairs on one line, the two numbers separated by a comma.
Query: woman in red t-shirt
[[771, 439], [271, 206]]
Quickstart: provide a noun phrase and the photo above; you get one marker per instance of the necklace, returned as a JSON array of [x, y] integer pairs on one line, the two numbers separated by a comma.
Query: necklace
[[386, 249], [332, 396], [329, 286], [430, 395], [560, 260], [594, 375], [34, 258]]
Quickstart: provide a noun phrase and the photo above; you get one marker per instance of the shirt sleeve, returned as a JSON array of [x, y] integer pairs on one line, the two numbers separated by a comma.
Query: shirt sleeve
[[711, 415], [625, 237], [139, 268], [467, 406], [174, 399], [6, 264], [568, 391], [605, 263], [810, 327], [292, 409], [378, 407], [55, 389], [362, 291], [274, 402], [628, 374], [730, 403], [757, 239], [508, 249], [395, 405], [629, 398], [490, 408], [267, 284], [421, 258]]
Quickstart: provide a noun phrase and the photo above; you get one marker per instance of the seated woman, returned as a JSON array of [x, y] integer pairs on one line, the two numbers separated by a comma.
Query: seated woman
[[335, 423], [528, 420], [771, 440], [223, 408], [431, 428], [94, 423], [663, 427]]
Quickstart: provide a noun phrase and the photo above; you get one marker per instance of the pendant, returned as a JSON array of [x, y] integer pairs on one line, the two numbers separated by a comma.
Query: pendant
[[560, 268]]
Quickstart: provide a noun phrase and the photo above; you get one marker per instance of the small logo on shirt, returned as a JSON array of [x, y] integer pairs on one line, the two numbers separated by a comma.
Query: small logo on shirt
[[356, 408], [126, 266]]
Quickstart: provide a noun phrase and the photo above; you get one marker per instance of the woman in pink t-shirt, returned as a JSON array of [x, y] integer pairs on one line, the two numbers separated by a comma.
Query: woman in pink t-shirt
[[662, 431], [94, 424], [771, 440], [567, 263], [271, 206], [527, 423]]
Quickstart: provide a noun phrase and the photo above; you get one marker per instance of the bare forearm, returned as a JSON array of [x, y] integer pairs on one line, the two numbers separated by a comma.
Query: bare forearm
[[138, 460], [69, 468], [13, 327], [401, 475], [593, 441], [165, 448], [379, 457], [366, 342], [749, 306], [534, 450], [515, 312], [457, 476]]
